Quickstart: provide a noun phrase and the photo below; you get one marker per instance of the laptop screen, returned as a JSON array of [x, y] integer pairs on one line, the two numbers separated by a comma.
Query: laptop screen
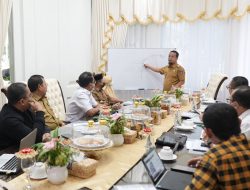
[[153, 165]]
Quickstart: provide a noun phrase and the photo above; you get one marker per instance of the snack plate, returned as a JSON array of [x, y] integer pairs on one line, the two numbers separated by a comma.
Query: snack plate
[[87, 131], [110, 144], [88, 141]]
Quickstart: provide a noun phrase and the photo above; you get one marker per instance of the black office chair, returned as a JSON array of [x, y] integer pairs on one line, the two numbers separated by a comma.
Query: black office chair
[[4, 91]]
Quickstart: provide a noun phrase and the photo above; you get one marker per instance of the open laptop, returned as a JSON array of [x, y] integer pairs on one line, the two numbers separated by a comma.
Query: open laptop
[[162, 178], [9, 163]]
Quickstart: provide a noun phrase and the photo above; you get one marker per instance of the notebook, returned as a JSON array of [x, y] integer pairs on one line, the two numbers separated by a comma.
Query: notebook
[[162, 178], [9, 162]]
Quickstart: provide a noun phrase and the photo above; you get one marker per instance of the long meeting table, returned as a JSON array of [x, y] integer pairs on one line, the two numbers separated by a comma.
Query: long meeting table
[[114, 163]]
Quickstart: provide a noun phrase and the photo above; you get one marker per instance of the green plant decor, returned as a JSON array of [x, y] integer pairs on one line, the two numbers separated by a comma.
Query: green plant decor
[[178, 93], [54, 152], [116, 123], [154, 102]]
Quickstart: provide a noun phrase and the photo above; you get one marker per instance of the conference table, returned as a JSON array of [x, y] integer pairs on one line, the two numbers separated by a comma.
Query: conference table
[[114, 163]]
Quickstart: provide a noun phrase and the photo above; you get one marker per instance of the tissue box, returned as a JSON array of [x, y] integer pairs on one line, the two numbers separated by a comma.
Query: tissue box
[[83, 169]]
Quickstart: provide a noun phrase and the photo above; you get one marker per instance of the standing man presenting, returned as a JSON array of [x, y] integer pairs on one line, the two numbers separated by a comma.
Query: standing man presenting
[[174, 73]]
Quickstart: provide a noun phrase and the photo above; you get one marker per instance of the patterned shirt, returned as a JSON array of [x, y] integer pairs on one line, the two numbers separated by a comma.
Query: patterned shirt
[[225, 166], [173, 75], [50, 119]]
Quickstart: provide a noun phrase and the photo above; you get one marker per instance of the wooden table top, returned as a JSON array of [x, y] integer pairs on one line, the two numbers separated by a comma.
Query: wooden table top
[[114, 163]]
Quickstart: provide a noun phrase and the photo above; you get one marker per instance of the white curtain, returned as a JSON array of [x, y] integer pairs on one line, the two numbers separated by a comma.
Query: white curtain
[[205, 47], [5, 10]]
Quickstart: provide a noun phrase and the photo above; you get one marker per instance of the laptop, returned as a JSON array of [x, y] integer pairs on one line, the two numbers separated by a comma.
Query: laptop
[[162, 178], [9, 163]]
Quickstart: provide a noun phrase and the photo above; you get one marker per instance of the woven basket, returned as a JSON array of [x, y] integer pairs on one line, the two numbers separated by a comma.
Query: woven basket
[[130, 137], [83, 169]]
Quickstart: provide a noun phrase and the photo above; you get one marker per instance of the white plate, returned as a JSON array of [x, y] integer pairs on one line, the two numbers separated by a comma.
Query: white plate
[[139, 117], [80, 124], [128, 116], [38, 171], [87, 131], [162, 158], [184, 127], [97, 141], [208, 102], [127, 103], [110, 144], [188, 114]]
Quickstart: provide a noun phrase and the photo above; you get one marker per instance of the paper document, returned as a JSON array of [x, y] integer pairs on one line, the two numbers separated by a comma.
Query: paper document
[[195, 145], [135, 187], [196, 120]]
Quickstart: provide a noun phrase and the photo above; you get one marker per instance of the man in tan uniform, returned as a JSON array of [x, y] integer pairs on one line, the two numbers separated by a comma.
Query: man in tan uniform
[[38, 88], [101, 96], [174, 73]]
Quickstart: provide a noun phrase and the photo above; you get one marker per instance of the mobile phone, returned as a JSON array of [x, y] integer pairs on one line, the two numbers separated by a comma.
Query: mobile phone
[[204, 145], [184, 169]]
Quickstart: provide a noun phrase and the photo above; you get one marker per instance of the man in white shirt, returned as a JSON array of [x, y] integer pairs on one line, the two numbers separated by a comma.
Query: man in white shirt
[[82, 104], [240, 100], [236, 82]]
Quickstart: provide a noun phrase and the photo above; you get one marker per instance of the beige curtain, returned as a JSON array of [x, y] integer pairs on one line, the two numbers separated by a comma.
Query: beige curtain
[[5, 10], [146, 11], [117, 40], [99, 27], [110, 13]]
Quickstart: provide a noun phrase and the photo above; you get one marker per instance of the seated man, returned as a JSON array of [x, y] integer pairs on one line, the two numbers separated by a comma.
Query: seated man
[[82, 104], [102, 97], [224, 166], [240, 100], [16, 118], [38, 88], [236, 82]]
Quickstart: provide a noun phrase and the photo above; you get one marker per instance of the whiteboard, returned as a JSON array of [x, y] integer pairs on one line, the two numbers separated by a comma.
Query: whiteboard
[[126, 67]]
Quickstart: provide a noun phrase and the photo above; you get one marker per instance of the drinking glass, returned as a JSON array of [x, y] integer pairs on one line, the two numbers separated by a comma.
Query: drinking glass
[[26, 165]]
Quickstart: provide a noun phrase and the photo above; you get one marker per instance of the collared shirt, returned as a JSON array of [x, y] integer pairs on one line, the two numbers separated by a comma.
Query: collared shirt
[[225, 166], [81, 102], [50, 119], [173, 75], [245, 123], [101, 97]]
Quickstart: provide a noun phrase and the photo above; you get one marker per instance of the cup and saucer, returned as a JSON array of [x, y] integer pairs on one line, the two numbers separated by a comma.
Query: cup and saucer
[[38, 171], [187, 125], [166, 154]]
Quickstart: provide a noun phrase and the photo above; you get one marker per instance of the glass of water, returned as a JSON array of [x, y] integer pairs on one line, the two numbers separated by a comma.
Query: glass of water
[[26, 165]]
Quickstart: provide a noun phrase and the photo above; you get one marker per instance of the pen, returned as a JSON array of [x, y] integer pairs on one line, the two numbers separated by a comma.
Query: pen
[[199, 150]]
